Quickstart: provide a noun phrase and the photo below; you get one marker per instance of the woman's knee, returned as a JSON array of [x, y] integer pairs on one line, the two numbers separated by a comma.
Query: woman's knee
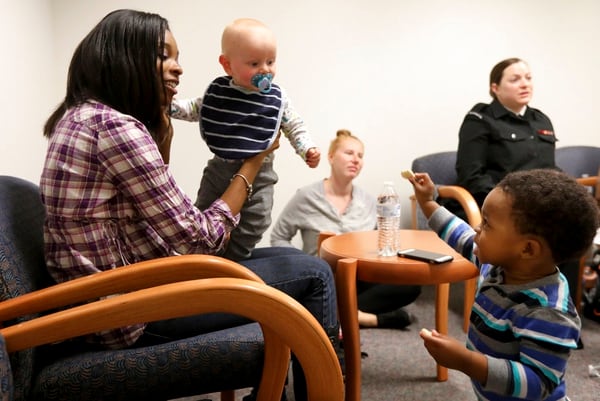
[[316, 265], [271, 251], [286, 265]]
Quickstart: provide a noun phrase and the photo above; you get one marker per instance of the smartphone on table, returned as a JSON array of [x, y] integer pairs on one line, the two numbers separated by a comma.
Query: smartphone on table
[[425, 256]]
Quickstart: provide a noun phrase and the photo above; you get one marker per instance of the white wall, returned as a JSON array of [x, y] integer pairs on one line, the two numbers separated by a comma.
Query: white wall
[[400, 74], [28, 88]]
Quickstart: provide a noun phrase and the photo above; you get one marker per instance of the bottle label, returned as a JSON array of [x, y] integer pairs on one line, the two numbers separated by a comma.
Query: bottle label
[[388, 210]]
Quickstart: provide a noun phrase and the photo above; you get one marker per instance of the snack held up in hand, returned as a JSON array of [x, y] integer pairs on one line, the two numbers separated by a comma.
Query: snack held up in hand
[[407, 174]]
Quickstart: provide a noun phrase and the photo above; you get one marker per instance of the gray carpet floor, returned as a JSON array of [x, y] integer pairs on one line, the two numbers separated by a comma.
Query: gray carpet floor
[[399, 368]]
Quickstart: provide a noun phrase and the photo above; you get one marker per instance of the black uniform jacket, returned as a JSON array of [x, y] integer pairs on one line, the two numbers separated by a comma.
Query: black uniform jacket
[[494, 141]]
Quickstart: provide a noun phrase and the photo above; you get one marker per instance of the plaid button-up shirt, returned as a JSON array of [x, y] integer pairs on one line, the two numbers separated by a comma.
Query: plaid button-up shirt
[[111, 201]]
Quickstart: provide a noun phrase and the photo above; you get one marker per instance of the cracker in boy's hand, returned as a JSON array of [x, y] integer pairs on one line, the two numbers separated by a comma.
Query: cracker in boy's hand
[[425, 332], [407, 174]]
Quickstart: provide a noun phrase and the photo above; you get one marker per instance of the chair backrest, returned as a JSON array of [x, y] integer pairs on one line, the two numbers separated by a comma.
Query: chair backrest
[[440, 166], [578, 160], [22, 266], [21, 242]]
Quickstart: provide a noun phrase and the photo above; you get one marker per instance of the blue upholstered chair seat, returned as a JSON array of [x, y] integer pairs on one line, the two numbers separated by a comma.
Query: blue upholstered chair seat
[[227, 359]]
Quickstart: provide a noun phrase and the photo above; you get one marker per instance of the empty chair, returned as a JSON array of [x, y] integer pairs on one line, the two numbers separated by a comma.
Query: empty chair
[[578, 161], [441, 167]]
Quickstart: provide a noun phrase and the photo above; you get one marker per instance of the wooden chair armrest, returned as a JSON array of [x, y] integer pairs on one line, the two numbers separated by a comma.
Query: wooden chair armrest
[[281, 317], [457, 193], [124, 279], [473, 214], [413, 212], [465, 199], [591, 181]]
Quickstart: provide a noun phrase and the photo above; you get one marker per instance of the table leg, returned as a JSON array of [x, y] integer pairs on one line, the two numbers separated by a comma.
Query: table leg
[[345, 282], [442, 291]]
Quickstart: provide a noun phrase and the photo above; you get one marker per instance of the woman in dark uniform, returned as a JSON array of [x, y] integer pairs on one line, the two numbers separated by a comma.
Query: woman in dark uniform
[[506, 135]]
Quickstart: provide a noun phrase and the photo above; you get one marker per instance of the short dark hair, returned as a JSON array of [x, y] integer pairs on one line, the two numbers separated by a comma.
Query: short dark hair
[[552, 205], [498, 71], [115, 64]]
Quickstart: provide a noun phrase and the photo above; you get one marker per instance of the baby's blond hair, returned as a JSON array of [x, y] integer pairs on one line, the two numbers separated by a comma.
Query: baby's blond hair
[[236, 33]]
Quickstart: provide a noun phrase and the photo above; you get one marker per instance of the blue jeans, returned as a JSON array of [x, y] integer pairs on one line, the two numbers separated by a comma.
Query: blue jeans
[[305, 278]]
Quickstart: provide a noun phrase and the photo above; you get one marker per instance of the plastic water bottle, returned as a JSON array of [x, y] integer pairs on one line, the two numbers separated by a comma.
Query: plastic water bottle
[[388, 220]]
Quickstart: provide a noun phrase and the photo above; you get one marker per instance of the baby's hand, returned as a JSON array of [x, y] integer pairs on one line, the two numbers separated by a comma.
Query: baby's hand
[[313, 157]]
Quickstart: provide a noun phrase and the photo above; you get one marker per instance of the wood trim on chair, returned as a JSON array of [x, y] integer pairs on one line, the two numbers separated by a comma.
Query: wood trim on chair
[[465, 199], [124, 279], [287, 325]]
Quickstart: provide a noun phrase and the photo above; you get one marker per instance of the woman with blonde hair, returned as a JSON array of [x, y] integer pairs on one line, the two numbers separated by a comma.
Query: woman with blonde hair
[[335, 204]]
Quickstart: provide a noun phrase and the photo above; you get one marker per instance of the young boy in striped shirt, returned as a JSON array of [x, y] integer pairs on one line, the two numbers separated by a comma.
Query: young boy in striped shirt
[[523, 322]]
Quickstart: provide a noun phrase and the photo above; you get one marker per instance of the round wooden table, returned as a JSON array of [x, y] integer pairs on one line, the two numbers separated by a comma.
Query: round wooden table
[[353, 256]]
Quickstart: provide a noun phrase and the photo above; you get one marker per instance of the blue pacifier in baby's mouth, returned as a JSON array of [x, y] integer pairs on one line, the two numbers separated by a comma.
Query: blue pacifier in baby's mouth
[[262, 82]]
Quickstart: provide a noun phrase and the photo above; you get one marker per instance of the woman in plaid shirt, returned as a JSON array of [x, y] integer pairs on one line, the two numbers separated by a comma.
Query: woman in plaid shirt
[[109, 195]]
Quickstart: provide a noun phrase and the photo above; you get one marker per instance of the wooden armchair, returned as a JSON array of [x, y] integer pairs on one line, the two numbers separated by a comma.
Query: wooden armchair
[[219, 361], [285, 323]]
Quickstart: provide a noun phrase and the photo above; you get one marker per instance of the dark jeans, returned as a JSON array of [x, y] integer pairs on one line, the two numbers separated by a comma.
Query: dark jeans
[[305, 278]]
